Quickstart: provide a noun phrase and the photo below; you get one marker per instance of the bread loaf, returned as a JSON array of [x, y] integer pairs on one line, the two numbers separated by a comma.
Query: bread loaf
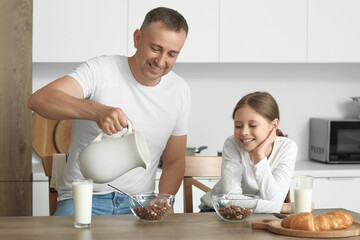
[[329, 221]]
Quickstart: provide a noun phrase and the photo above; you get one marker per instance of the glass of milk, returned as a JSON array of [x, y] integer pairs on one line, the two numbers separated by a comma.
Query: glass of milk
[[82, 192], [303, 193]]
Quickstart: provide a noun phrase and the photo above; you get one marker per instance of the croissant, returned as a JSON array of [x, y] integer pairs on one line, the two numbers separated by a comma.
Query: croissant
[[329, 221]]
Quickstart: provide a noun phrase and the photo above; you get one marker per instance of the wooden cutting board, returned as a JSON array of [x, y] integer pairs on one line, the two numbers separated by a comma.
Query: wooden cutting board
[[43, 135], [275, 227], [63, 136]]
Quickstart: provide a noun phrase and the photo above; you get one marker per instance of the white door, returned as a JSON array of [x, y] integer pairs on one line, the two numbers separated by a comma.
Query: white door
[[75, 31], [334, 31], [263, 31]]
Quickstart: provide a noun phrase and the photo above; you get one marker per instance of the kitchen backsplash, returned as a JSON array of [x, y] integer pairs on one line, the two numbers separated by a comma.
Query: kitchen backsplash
[[301, 90]]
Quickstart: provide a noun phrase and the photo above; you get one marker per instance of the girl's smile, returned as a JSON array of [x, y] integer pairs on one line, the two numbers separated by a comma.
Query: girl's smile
[[247, 140]]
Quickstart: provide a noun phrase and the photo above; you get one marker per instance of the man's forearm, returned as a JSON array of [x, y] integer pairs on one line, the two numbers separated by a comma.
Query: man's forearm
[[171, 177], [55, 104]]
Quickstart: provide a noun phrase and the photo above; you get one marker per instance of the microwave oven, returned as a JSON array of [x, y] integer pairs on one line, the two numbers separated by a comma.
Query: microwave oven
[[335, 140]]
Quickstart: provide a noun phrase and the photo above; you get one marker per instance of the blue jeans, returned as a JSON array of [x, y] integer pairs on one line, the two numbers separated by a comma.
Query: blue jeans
[[107, 204]]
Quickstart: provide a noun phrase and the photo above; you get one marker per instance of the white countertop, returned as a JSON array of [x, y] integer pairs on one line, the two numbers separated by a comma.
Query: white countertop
[[326, 170], [315, 169], [38, 174]]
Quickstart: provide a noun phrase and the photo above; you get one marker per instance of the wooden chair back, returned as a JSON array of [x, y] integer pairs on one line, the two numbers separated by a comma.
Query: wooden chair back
[[198, 166], [202, 166], [53, 194]]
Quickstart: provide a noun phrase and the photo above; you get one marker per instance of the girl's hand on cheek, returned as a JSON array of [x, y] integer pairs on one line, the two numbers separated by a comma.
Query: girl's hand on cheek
[[288, 208], [259, 153]]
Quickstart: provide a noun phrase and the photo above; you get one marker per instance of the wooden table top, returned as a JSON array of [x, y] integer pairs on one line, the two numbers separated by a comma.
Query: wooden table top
[[179, 226]]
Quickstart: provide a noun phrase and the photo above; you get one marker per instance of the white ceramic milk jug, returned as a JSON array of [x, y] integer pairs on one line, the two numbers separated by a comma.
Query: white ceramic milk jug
[[104, 160]]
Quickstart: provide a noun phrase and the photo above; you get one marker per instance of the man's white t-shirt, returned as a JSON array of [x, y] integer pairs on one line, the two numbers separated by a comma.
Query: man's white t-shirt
[[158, 112], [270, 179]]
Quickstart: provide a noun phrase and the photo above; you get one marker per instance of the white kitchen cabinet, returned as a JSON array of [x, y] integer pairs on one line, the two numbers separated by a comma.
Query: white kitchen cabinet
[[202, 43], [334, 31], [75, 31], [263, 31], [337, 193], [40, 198], [227, 31]]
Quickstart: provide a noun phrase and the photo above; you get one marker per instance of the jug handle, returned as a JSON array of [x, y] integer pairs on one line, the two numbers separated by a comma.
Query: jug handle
[[129, 130], [129, 127]]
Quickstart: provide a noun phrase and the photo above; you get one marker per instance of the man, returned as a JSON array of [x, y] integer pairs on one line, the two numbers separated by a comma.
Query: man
[[105, 92]]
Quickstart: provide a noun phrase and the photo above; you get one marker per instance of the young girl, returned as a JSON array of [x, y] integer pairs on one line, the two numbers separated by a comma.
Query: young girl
[[257, 159]]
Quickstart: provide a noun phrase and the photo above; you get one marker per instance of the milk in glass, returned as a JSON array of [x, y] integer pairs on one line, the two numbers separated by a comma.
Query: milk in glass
[[303, 193], [303, 200], [82, 193]]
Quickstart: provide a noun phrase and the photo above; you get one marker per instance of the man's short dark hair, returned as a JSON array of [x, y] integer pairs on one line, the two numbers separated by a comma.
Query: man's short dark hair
[[171, 19]]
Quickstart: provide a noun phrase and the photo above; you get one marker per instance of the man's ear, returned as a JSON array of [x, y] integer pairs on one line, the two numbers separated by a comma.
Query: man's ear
[[137, 37], [275, 123]]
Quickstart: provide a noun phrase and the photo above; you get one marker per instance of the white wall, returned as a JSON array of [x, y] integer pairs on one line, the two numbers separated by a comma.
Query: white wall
[[301, 90]]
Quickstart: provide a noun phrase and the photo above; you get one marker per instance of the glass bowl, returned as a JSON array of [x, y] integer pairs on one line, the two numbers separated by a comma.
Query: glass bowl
[[234, 207], [156, 206]]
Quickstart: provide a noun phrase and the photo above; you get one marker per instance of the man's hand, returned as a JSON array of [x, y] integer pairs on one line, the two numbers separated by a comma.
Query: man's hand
[[259, 152], [109, 119]]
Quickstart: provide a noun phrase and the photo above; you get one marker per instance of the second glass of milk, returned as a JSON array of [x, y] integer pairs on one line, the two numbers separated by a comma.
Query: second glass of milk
[[303, 193]]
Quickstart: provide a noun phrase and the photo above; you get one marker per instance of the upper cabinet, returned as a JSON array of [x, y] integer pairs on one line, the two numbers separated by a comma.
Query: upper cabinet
[[334, 31], [219, 30], [263, 31], [202, 16], [75, 31]]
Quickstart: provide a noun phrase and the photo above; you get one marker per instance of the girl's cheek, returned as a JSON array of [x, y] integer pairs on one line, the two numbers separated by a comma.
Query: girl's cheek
[[237, 137], [238, 142], [236, 132]]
